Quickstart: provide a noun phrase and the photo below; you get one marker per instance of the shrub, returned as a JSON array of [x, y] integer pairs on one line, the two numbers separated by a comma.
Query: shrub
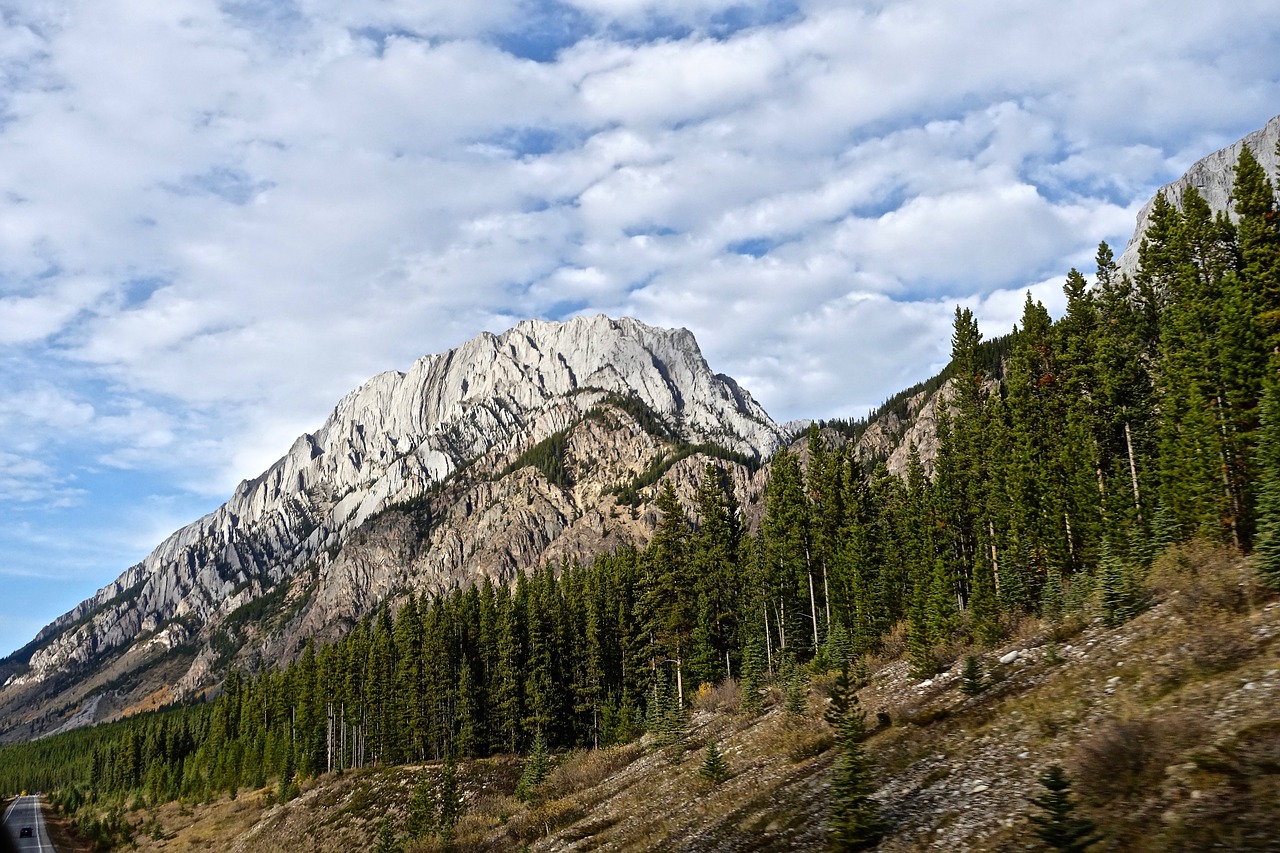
[[1124, 757], [726, 696], [586, 768]]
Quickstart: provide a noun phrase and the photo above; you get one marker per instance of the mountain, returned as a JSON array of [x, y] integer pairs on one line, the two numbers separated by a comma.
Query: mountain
[[415, 482], [481, 462], [1212, 176]]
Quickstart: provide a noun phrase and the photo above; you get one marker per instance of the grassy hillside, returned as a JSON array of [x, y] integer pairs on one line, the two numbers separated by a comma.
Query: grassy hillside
[[1169, 726]]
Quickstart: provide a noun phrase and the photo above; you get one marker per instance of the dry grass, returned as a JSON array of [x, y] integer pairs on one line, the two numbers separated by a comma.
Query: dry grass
[[1199, 577], [586, 768], [799, 738]]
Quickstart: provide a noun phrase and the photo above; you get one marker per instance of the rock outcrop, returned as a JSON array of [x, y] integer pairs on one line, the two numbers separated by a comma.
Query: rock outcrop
[[407, 485], [1212, 176]]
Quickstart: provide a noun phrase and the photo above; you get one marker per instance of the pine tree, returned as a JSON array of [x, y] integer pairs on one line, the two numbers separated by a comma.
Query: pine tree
[[1120, 594], [536, 768], [667, 722], [452, 805], [752, 679], [972, 681], [843, 691], [1059, 827], [386, 837], [714, 769], [1268, 467], [853, 819], [422, 808], [793, 680]]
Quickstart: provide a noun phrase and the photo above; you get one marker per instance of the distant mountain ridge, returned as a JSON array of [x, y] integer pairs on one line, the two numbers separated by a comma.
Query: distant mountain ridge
[[387, 444]]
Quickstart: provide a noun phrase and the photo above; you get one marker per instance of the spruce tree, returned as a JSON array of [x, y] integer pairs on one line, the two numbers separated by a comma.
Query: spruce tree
[[1119, 590], [972, 681], [422, 808], [853, 818], [1268, 468], [452, 805], [714, 770], [536, 769], [752, 679], [1059, 827], [386, 837], [794, 681]]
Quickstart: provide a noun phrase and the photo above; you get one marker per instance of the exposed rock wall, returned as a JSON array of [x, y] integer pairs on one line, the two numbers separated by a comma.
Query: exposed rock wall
[[392, 441], [1213, 177]]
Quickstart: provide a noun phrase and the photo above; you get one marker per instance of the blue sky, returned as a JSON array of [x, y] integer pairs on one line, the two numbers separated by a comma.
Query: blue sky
[[216, 219]]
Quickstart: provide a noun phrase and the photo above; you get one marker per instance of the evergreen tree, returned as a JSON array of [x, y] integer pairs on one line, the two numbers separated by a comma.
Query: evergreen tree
[[386, 837], [1119, 589], [752, 679], [1059, 827], [666, 606], [714, 769], [422, 808], [795, 692], [1268, 468], [853, 820], [536, 768], [972, 681], [452, 805]]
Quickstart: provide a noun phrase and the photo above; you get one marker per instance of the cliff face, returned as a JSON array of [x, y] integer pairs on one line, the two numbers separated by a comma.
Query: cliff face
[[1212, 176], [409, 484]]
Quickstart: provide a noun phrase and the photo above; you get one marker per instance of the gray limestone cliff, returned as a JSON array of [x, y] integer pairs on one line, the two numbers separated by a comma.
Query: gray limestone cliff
[[1212, 176], [311, 529]]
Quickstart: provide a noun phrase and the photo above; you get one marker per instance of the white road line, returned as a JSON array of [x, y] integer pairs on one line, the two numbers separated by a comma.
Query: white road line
[[37, 820]]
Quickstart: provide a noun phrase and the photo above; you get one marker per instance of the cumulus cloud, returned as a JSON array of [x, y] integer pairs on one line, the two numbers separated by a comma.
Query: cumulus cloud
[[218, 217]]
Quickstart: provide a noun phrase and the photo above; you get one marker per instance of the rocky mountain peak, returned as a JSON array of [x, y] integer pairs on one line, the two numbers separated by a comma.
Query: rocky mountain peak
[[388, 443]]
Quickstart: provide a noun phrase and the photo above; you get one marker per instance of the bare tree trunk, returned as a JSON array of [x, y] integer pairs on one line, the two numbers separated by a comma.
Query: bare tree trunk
[[826, 594], [1071, 545], [768, 640], [328, 737], [1133, 471], [995, 563], [813, 611]]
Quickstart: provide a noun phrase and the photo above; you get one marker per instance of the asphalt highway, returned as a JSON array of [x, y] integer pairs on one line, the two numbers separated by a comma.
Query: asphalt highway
[[25, 811]]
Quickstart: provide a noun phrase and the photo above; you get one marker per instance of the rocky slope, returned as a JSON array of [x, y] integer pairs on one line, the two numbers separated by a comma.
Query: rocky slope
[[1213, 177], [409, 484], [1167, 725]]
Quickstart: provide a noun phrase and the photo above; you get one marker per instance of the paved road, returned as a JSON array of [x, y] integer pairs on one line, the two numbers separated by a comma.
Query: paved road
[[25, 811]]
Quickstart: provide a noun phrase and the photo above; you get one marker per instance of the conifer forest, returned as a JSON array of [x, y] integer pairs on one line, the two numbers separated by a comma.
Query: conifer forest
[[1072, 452]]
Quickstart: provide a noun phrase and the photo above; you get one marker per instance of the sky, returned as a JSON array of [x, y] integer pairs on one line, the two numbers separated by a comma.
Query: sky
[[218, 218]]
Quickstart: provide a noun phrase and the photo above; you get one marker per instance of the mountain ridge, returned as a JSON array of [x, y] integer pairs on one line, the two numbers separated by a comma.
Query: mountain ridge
[[388, 443]]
